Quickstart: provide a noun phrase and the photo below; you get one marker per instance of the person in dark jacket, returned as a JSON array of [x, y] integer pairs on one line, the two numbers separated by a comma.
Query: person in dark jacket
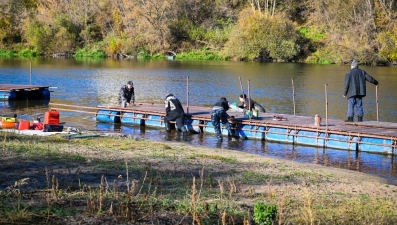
[[249, 104], [355, 90], [127, 95], [174, 112], [219, 115]]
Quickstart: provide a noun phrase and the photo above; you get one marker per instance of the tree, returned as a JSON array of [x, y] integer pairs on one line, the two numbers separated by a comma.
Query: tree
[[255, 34]]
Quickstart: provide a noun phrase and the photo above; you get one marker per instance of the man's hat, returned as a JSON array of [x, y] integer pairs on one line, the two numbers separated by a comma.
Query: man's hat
[[354, 63], [130, 83]]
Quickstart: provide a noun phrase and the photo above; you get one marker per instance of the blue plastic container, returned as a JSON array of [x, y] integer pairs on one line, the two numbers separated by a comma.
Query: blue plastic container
[[45, 93], [341, 142], [310, 138], [154, 121], [6, 95], [369, 144], [193, 125], [108, 116], [279, 134], [248, 131]]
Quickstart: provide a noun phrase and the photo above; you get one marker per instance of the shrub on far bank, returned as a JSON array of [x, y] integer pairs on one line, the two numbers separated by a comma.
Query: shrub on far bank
[[202, 54], [93, 53]]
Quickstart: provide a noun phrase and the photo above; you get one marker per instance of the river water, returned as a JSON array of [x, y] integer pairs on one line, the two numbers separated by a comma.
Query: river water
[[97, 82]]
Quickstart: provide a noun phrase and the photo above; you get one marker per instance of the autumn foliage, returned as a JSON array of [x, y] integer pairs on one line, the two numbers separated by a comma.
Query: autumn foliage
[[270, 30]]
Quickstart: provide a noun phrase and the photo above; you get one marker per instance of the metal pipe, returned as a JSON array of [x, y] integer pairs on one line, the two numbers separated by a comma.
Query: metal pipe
[[187, 95], [377, 104], [241, 86], [249, 100], [293, 95], [30, 72], [326, 106]]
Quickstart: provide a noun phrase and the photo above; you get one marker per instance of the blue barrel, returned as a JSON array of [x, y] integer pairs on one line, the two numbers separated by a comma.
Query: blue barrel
[[370, 144], [193, 125], [209, 128], [310, 138], [6, 95], [154, 121], [341, 142], [248, 131], [131, 118], [45, 93], [108, 116], [279, 134]]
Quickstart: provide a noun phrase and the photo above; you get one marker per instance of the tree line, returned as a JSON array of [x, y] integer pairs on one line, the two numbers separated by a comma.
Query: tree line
[[318, 31]]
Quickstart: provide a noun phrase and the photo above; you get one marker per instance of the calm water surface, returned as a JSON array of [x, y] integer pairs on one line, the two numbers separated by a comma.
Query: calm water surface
[[95, 83]]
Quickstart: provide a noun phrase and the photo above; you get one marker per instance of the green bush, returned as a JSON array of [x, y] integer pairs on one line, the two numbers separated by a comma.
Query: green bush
[[264, 214], [202, 54], [93, 53]]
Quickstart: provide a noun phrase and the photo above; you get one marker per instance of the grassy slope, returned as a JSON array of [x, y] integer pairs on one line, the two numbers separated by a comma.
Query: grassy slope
[[119, 180]]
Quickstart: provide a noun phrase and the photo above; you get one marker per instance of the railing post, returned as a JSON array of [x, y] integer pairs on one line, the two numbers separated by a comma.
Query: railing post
[[293, 95]]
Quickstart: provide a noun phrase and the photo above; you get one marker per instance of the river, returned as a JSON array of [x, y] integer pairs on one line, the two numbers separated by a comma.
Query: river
[[97, 82]]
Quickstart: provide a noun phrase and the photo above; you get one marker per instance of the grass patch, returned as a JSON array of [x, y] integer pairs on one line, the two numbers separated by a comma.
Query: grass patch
[[230, 159], [132, 181]]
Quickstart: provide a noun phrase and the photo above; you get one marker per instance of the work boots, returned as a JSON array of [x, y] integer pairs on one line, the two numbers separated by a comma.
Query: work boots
[[184, 130], [350, 119], [360, 119], [168, 127]]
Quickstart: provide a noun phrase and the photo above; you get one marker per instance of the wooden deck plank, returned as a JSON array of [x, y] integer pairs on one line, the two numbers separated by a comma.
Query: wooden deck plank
[[12, 87]]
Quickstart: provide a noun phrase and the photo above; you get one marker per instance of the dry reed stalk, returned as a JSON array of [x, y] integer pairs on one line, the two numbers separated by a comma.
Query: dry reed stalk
[[221, 189], [246, 221], [47, 177], [54, 188], [101, 188], [269, 190], [143, 181], [308, 207], [126, 171], [4, 145], [280, 209], [232, 185], [224, 218]]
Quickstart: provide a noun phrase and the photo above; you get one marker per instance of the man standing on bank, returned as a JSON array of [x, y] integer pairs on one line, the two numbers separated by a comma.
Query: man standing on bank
[[174, 112], [355, 90], [219, 115], [127, 95]]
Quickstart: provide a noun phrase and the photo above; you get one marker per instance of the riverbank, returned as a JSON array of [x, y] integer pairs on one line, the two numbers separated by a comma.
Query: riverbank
[[117, 179]]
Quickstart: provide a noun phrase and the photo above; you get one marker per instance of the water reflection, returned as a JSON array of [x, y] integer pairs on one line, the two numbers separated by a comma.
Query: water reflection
[[376, 164]]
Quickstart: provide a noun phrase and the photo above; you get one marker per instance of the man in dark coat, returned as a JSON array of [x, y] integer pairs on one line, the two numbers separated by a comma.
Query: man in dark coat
[[219, 115], [127, 95], [249, 104], [174, 112], [355, 90]]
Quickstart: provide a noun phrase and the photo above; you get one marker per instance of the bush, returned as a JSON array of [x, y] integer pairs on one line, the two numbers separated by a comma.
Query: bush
[[93, 53], [264, 214]]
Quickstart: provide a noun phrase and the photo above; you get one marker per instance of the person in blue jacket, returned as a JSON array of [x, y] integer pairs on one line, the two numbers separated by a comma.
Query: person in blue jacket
[[355, 90]]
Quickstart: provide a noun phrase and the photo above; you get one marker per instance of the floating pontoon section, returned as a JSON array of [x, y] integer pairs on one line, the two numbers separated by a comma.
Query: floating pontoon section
[[371, 136]]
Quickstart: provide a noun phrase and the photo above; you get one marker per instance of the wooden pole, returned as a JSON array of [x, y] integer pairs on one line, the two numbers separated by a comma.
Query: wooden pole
[[377, 104], [187, 95], [326, 106], [293, 95], [30, 72]]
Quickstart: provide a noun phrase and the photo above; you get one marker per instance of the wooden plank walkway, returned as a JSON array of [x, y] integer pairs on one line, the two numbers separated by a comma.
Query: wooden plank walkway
[[23, 92], [366, 128], [20, 87]]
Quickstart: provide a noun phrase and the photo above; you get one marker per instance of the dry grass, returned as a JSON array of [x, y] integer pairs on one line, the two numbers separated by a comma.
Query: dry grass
[[123, 180]]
